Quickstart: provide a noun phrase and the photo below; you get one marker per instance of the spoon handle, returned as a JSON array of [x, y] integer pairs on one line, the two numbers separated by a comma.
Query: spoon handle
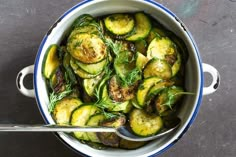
[[51, 128]]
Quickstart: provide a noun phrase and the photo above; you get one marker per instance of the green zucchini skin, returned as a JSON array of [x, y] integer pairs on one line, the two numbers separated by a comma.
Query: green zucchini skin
[[119, 24], [142, 27], [63, 109], [144, 124], [50, 61], [91, 84], [80, 117], [93, 69], [158, 68], [143, 89], [95, 120]]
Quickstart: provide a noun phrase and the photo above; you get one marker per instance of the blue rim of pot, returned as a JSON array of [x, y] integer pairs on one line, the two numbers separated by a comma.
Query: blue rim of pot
[[190, 37]]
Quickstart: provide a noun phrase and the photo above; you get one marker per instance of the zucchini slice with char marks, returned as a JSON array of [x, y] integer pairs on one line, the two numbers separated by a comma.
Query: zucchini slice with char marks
[[119, 24], [111, 139], [50, 61], [161, 48], [87, 48], [168, 98], [144, 124], [159, 68], [95, 120], [57, 81], [63, 109], [119, 93], [113, 106], [80, 117], [142, 27], [143, 89]]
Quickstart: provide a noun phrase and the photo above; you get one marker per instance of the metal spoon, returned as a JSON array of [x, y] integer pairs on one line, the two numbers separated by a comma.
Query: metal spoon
[[122, 131]]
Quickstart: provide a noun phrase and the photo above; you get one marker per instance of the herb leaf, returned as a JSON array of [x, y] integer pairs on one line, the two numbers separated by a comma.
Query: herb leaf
[[55, 97]]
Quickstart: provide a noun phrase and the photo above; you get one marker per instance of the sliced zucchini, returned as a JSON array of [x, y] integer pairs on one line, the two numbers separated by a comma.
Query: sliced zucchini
[[177, 65], [160, 48], [93, 69], [91, 84], [78, 71], [168, 98], [142, 27], [152, 35], [144, 124], [87, 48], [111, 139], [82, 20], [120, 93], [141, 60], [63, 109], [50, 61], [141, 46], [157, 88], [159, 68], [124, 63], [143, 89], [56, 80], [92, 28], [80, 117], [66, 60], [95, 120], [119, 24]]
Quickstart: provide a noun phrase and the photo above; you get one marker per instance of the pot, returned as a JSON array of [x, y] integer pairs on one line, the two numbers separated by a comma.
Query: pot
[[194, 72]]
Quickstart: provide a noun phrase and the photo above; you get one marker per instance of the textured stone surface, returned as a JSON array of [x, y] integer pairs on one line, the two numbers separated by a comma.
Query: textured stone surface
[[23, 24]]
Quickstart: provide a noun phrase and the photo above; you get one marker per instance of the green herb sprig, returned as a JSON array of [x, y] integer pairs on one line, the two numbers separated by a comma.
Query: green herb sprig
[[55, 97]]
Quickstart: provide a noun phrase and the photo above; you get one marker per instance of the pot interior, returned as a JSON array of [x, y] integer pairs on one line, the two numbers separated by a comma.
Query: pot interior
[[193, 80]]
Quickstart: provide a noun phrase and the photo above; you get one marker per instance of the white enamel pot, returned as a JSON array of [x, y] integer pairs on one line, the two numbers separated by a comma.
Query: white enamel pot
[[195, 70]]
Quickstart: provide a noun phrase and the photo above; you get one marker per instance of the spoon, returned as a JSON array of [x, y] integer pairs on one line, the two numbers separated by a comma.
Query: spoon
[[123, 131]]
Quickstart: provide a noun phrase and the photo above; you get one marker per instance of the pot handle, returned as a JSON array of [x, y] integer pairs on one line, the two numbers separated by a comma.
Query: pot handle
[[19, 81], [215, 79]]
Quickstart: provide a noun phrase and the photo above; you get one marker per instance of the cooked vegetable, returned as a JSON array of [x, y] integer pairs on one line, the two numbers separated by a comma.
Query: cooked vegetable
[[168, 98], [141, 61], [141, 46], [119, 93], [78, 71], [91, 84], [111, 139], [95, 120], [80, 117], [114, 70], [50, 62], [144, 124], [63, 109], [143, 89], [87, 48], [119, 24], [142, 27], [161, 48], [159, 68], [93, 69]]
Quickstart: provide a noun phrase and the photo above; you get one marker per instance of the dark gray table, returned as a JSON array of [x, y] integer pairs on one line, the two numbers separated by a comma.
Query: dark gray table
[[213, 25]]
